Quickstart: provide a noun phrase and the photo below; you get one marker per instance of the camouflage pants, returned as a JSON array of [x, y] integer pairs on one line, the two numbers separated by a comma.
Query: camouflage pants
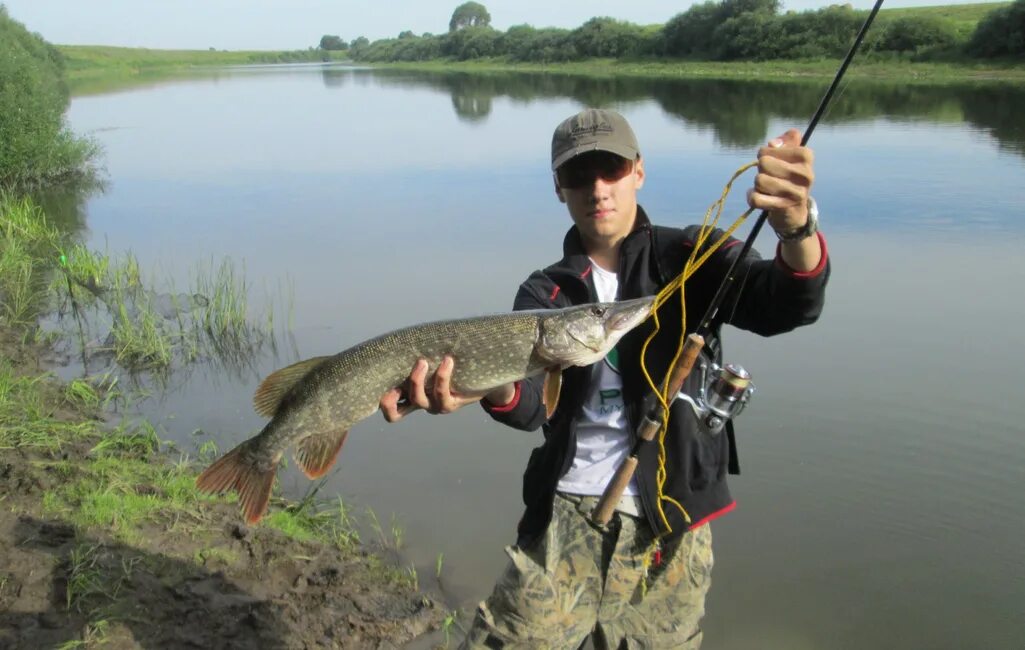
[[582, 580]]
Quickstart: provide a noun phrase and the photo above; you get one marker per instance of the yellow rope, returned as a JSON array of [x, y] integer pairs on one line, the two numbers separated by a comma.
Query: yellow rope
[[693, 263]]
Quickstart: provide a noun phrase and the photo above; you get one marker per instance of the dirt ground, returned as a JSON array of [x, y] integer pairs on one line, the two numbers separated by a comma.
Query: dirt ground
[[63, 587]]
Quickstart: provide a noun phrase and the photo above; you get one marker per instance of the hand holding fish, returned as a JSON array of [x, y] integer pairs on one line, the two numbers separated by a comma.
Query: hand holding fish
[[439, 399]]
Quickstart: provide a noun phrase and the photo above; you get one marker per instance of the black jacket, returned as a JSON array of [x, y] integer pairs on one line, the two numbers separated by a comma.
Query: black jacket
[[768, 298]]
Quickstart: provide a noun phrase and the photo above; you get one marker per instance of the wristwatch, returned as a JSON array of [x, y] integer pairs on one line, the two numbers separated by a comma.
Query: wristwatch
[[809, 228]]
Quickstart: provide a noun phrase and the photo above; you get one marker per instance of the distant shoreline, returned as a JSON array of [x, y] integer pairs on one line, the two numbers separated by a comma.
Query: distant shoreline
[[87, 64]]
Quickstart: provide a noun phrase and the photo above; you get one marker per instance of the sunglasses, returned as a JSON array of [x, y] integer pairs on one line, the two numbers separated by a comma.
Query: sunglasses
[[584, 169]]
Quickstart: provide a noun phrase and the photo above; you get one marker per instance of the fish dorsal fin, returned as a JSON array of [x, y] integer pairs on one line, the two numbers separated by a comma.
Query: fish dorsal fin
[[277, 384], [552, 387], [316, 454]]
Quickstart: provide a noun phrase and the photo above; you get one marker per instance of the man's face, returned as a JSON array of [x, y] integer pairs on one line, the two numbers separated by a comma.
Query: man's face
[[600, 190]]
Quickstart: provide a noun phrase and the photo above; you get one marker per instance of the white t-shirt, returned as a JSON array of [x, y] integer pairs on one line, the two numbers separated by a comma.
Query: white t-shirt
[[603, 442]]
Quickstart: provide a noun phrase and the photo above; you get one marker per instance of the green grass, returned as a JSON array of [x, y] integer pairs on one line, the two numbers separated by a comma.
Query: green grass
[[101, 68], [29, 248], [28, 408], [80, 58], [84, 578], [903, 71]]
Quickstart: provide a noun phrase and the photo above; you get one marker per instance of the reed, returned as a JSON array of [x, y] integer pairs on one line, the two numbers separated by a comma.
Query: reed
[[28, 248]]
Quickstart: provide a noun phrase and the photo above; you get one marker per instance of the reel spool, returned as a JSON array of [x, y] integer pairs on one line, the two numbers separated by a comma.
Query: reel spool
[[725, 391]]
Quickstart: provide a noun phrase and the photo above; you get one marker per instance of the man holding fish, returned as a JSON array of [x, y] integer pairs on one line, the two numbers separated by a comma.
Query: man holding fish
[[639, 581]]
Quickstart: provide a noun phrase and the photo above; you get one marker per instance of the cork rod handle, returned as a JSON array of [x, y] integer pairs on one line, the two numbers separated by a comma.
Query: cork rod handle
[[646, 433]]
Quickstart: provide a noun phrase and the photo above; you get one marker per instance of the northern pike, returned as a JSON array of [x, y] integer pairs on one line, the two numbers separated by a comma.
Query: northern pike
[[313, 403]]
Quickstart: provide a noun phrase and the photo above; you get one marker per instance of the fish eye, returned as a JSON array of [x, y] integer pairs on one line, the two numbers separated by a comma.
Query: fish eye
[[598, 311]]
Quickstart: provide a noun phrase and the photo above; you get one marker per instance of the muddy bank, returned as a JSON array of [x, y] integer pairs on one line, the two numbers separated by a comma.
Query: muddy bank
[[184, 572]]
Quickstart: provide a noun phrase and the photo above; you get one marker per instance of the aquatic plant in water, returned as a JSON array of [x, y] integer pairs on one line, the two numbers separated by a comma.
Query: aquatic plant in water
[[112, 310]]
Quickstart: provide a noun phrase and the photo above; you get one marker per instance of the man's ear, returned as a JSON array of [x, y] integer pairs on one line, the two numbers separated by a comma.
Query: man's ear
[[558, 190], [639, 170]]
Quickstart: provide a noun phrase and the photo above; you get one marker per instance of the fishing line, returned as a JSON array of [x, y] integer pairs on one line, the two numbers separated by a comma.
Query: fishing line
[[694, 261]]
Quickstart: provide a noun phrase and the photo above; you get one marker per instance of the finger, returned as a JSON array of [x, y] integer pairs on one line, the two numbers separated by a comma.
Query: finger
[[770, 202], [772, 186], [417, 391], [391, 407], [444, 400], [795, 155], [792, 138], [796, 173]]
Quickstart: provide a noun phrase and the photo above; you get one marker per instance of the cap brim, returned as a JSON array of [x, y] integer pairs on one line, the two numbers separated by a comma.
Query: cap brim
[[624, 151]]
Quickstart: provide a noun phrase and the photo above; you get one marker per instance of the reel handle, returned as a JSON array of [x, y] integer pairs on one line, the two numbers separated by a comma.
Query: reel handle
[[646, 432]]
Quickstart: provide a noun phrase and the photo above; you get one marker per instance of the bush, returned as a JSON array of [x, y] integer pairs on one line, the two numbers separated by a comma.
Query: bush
[[917, 34], [1000, 33], [749, 36], [406, 48], [827, 32], [690, 33], [35, 145], [606, 37], [471, 43], [525, 43]]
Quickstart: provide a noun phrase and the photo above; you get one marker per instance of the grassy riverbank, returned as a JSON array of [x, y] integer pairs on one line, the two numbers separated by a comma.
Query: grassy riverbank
[[890, 70], [96, 68], [85, 60], [104, 540]]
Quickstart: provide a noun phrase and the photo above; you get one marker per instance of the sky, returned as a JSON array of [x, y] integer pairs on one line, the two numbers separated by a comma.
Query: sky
[[298, 24]]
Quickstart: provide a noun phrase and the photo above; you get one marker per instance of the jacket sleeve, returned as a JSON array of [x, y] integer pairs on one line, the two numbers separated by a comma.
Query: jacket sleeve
[[526, 410], [767, 296]]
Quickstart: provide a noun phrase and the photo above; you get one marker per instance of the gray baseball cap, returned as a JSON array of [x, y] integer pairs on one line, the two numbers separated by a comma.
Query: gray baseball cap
[[593, 129]]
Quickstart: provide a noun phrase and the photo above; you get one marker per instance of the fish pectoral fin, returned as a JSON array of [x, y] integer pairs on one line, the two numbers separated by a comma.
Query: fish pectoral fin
[[277, 384], [552, 388], [316, 454]]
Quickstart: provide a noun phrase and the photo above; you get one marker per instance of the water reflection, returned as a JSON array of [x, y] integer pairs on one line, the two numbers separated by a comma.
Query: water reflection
[[471, 108], [65, 205], [738, 111]]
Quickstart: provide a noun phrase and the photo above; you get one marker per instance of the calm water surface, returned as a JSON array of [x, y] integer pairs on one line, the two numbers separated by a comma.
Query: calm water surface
[[881, 498]]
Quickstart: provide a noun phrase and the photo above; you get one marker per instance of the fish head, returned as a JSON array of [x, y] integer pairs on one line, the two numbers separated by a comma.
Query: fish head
[[582, 335]]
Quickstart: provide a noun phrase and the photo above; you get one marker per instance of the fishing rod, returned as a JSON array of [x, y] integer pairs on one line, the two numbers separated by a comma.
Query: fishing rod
[[731, 389]]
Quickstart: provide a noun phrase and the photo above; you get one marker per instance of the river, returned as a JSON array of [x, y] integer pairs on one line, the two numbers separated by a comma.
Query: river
[[883, 455]]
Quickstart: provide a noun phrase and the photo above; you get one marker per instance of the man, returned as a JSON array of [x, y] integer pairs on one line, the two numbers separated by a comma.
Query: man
[[640, 581]]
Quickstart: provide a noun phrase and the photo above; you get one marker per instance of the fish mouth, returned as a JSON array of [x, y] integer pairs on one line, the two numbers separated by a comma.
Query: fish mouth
[[628, 314]]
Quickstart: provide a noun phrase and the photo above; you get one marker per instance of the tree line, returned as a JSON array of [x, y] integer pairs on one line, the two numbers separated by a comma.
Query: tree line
[[716, 30]]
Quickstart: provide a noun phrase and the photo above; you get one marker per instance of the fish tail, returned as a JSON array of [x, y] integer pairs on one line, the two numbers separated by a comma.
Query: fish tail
[[236, 471]]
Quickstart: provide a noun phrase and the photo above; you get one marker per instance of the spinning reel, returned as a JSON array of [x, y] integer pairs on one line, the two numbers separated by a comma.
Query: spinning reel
[[725, 391]]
